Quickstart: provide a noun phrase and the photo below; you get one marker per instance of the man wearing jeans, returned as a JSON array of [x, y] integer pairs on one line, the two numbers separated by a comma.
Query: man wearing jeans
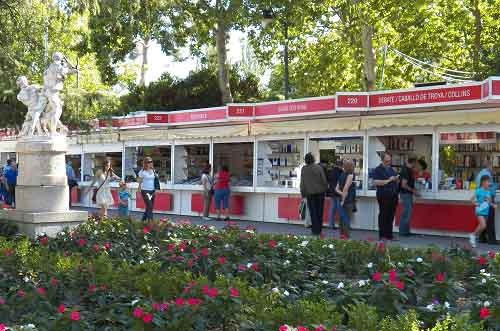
[[406, 194], [489, 235]]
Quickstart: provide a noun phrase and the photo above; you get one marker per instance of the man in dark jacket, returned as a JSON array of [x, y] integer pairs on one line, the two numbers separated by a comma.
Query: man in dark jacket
[[313, 186], [333, 177]]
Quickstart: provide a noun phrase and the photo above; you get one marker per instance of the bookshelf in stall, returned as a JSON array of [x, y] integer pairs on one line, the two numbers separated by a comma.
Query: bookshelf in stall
[[195, 158], [285, 158], [354, 152], [161, 160]]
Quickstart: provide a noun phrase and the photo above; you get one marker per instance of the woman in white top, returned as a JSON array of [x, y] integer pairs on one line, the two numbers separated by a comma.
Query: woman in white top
[[207, 183], [104, 198], [146, 181]]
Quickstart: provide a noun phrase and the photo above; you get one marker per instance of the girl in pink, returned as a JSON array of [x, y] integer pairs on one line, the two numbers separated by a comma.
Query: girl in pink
[[222, 192]]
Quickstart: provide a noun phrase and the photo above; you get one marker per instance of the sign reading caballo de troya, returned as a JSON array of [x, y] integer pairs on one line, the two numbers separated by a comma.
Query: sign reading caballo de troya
[[42, 193]]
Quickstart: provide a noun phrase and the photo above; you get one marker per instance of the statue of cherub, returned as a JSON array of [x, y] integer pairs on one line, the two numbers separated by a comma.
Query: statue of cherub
[[31, 96]]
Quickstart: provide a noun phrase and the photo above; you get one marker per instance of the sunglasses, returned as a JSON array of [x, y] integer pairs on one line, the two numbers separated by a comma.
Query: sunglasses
[[149, 161]]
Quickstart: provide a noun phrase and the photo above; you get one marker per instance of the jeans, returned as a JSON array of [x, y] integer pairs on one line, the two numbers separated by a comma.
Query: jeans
[[221, 198], [316, 203], [387, 209], [207, 200], [404, 222], [149, 200], [334, 207], [345, 213]]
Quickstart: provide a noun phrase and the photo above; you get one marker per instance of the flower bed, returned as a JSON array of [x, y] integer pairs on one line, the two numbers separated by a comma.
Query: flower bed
[[119, 275]]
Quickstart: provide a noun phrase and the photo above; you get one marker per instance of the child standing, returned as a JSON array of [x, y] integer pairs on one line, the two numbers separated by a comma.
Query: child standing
[[483, 202], [124, 197]]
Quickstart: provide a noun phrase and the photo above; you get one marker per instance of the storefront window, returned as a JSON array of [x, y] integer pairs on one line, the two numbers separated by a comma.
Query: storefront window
[[402, 148], [238, 157], [279, 163], [189, 163], [76, 164], [462, 155], [95, 161], [161, 156], [329, 151]]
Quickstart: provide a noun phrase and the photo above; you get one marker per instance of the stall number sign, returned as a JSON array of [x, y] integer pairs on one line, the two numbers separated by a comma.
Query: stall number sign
[[425, 97], [351, 101], [468, 138], [240, 110], [157, 118]]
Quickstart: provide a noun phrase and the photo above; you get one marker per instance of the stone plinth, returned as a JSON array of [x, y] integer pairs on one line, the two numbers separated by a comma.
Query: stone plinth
[[42, 193]]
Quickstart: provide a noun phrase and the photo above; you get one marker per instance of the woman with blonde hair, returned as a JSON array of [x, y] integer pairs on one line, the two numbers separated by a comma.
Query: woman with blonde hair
[[102, 196], [346, 188], [147, 187]]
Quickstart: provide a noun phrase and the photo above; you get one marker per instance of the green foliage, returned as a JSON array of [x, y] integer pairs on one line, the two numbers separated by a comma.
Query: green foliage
[[362, 317]]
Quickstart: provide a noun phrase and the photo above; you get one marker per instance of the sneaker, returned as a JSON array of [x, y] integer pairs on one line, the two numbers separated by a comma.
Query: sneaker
[[472, 240]]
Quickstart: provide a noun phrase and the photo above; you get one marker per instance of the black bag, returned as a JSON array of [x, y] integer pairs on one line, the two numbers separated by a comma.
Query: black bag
[[94, 196], [157, 182]]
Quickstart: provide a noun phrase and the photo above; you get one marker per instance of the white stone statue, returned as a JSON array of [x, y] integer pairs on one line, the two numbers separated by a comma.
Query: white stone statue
[[31, 96], [53, 83], [44, 103]]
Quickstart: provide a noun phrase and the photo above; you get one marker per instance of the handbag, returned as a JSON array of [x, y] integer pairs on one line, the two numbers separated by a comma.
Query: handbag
[[94, 196], [157, 182]]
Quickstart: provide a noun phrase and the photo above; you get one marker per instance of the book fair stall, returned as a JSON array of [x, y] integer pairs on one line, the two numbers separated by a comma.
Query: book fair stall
[[450, 129]]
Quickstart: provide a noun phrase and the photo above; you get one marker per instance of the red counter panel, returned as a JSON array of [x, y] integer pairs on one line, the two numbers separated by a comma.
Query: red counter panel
[[75, 195], [288, 208], [441, 216], [163, 201], [236, 204]]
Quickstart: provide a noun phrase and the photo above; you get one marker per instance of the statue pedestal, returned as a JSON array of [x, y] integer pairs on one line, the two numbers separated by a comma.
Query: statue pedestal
[[42, 193]]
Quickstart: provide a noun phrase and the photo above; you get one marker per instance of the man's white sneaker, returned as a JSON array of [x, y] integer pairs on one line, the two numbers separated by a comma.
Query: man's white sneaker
[[472, 239]]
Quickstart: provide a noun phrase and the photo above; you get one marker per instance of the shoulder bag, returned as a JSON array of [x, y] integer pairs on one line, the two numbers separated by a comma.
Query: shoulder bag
[[157, 181], [94, 196]]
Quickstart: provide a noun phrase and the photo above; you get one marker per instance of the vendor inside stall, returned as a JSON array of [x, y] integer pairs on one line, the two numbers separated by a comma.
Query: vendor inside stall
[[402, 148], [279, 163], [95, 161], [75, 162], [332, 150], [238, 157], [189, 163], [161, 156], [461, 156]]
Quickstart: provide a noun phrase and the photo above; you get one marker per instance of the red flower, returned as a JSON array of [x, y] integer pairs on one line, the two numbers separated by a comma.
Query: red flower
[[320, 328], [492, 254], [3, 327], [377, 277], [272, 244], [484, 313], [61, 309], [54, 282], [283, 328], [147, 318], [204, 252], [234, 292], [393, 275], [21, 293], [170, 247], [41, 291], [179, 301], [193, 251], [439, 278], [81, 242], [44, 241], [301, 328], [221, 260], [137, 312], [107, 246], [92, 288], [96, 247], [155, 306], [146, 230], [75, 316], [190, 263], [255, 267], [241, 267], [194, 301], [399, 285], [482, 260]]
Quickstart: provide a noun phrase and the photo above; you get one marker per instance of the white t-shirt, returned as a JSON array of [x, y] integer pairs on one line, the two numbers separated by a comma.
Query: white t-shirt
[[148, 180]]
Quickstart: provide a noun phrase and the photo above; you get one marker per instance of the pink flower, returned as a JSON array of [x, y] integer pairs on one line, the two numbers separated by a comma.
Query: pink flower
[[399, 285], [481, 260], [171, 247], [377, 277], [147, 318], [75, 316], [301, 328], [320, 328], [54, 282], [179, 301], [21, 293], [92, 288], [410, 273], [107, 246], [439, 278], [255, 267], [204, 252], [484, 313], [3, 327], [221, 260], [272, 244], [146, 230], [392, 275], [81, 242], [96, 247], [163, 306], [137, 312], [61, 309], [213, 292], [283, 328], [492, 254], [241, 267], [41, 291], [194, 301], [2, 301], [234, 292], [44, 241], [155, 306]]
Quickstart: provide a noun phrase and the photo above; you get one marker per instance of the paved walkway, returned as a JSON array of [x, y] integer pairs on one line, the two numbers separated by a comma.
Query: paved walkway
[[296, 229]]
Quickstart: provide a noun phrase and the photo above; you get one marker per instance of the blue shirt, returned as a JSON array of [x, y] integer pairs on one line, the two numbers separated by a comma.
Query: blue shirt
[[483, 199], [493, 185], [70, 172], [124, 196], [11, 176], [383, 173]]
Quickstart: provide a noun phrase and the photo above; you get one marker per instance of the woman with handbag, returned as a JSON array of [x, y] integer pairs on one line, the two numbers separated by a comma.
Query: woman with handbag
[[346, 189], [102, 196], [148, 184]]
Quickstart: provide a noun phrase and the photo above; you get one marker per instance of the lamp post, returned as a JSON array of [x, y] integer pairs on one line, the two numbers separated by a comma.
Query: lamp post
[[267, 18]]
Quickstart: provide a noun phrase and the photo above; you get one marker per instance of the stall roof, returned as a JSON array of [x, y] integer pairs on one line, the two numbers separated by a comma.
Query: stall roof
[[303, 126], [144, 134], [223, 131], [485, 116]]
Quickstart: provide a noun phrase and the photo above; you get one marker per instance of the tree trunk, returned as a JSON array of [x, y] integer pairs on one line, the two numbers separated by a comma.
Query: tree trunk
[[476, 12], [144, 64], [222, 66], [369, 56]]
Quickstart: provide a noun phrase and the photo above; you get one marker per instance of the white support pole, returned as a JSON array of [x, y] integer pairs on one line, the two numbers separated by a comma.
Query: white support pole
[[366, 144], [255, 163], [123, 160], [435, 160], [211, 155], [172, 163]]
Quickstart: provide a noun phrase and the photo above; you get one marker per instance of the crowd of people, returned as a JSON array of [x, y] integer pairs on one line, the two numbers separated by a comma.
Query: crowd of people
[[392, 189]]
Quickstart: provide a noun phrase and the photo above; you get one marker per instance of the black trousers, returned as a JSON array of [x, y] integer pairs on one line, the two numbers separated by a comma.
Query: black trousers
[[387, 209], [149, 201], [315, 204], [489, 235]]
